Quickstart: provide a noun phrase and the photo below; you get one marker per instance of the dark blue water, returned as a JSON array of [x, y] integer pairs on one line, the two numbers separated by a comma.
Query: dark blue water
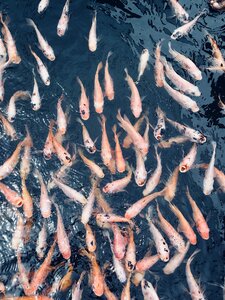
[[125, 28]]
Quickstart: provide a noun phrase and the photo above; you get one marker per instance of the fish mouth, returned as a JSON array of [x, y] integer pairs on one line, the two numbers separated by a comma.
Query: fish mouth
[[19, 203], [159, 137], [47, 156], [202, 139], [141, 182], [183, 168]]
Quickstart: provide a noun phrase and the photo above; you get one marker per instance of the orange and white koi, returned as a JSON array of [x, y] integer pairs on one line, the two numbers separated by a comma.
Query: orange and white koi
[[35, 96], [41, 241], [135, 99], [61, 117], [108, 82], [63, 155], [172, 141], [106, 152], [175, 238], [17, 239], [45, 202], [176, 260], [112, 218], [83, 102], [120, 161], [148, 291], [140, 173], [64, 20], [13, 55], [23, 275], [76, 288], [41, 274], [137, 140], [184, 226], [130, 257], [137, 207], [181, 84], [119, 242], [43, 44], [188, 160], [160, 243], [91, 165], [186, 63], [92, 39], [49, 147], [200, 222], [98, 94], [27, 200], [102, 202], [42, 6], [71, 193], [185, 101], [170, 189], [127, 140], [11, 109], [179, 11], [96, 276], [66, 281], [142, 63], [125, 295], [90, 239], [218, 59], [41, 68], [62, 237], [186, 28], [118, 265], [146, 262], [118, 185], [195, 290], [208, 180], [9, 165], [194, 135], [154, 179]]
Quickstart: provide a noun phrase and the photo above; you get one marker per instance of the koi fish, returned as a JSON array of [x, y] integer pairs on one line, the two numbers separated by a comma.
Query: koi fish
[[130, 257], [98, 94], [41, 68], [42, 6], [140, 173], [11, 109], [41, 241], [146, 262], [64, 20], [91, 165], [35, 97], [127, 140], [76, 288], [83, 102], [208, 180], [92, 39], [43, 44], [158, 68], [179, 11], [90, 239], [61, 117], [160, 127], [148, 290], [120, 161], [142, 63], [189, 159], [108, 82], [172, 141]]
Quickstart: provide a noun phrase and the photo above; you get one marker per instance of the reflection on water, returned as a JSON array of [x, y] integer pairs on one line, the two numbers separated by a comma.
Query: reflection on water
[[125, 28]]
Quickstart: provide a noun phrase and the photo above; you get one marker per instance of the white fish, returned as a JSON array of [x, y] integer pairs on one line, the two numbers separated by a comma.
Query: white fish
[[186, 63], [17, 239], [44, 46], [41, 241], [189, 159], [3, 66], [89, 144], [180, 83], [108, 82], [142, 63], [88, 208], [148, 290], [35, 97], [176, 260], [42, 6], [11, 109], [155, 177], [179, 11], [209, 173], [160, 243], [135, 99], [195, 291], [159, 130], [186, 28], [92, 39], [193, 135], [183, 100], [42, 70], [70, 192], [83, 102], [3, 53], [140, 173], [64, 20]]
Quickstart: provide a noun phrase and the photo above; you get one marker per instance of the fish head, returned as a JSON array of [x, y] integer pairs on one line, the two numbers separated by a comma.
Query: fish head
[[47, 82], [35, 106], [140, 179], [202, 139], [176, 35], [183, 168], [204, 231], [184, 17], [91, 149], [19, 202], [106, 188], [84, 114], [60, 31]]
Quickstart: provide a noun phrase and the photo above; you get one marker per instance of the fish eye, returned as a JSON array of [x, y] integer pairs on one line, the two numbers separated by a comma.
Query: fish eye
[[20, 203], [12, 119], [177, 35]]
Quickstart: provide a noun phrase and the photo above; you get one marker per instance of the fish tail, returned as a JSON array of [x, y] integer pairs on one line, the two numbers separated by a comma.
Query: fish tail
[[99, 67], [109, 54], [213, 145], [84, 252], [1, 18], [80, 121], [79, 81], [30, 22], [190, 259], [126, 71], [28, 140], [114, 128]]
